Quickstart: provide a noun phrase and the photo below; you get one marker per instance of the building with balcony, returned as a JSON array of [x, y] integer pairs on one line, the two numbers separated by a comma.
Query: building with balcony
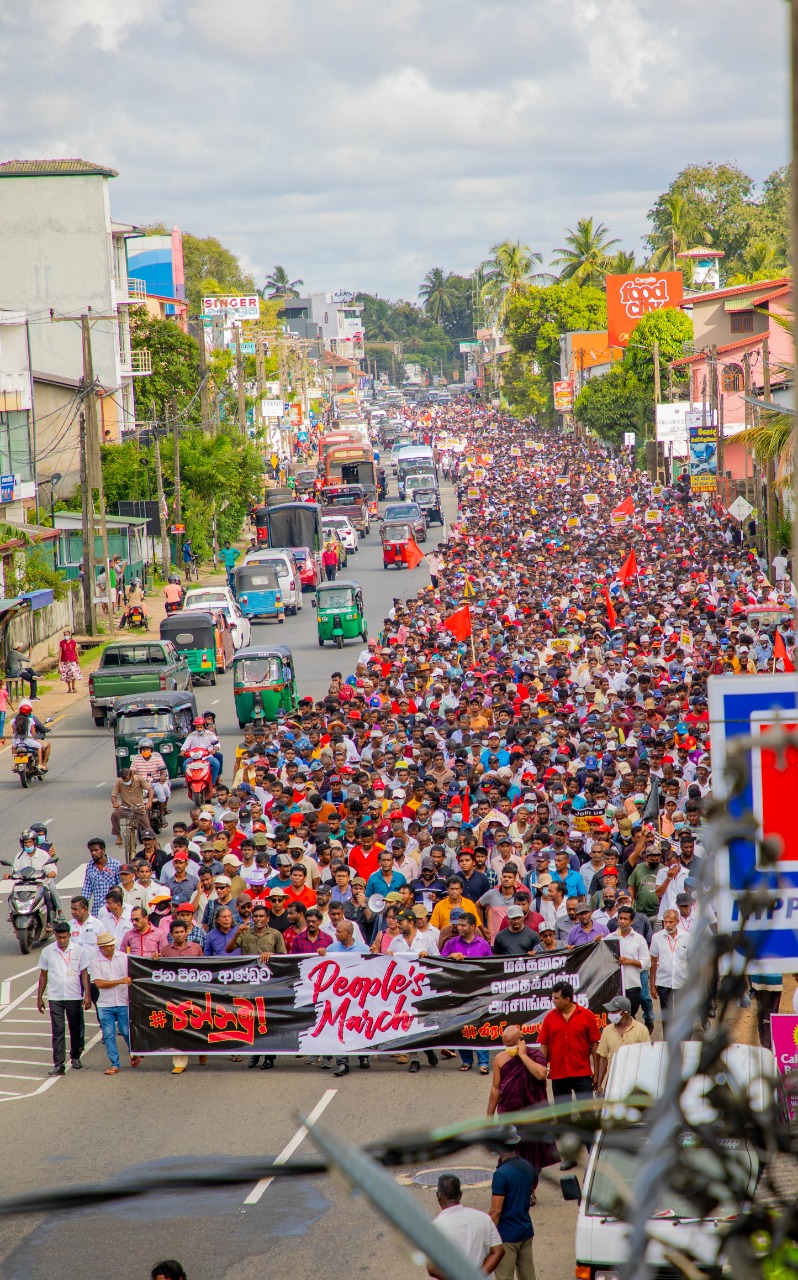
[[155, 266], [62, 256], [337, 325]]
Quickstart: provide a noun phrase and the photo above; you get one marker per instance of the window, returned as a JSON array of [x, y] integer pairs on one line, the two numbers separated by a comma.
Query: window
[[733, 378], [742, 322]]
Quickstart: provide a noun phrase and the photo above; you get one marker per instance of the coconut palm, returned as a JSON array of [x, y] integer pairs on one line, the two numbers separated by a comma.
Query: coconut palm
[[623, 264], [586, 258], [506, 273], [278, 285], [761, 261], [435, 293], [679, 230], [378, 320]]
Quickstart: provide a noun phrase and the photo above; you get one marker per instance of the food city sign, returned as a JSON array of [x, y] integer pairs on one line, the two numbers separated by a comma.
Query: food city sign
[[629, 298]]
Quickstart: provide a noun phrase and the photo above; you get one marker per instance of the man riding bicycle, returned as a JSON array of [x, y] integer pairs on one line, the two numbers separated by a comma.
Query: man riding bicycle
[[130, 795]]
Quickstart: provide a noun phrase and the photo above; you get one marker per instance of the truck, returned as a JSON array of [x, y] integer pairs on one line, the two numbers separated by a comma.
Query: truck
[[135, 666]]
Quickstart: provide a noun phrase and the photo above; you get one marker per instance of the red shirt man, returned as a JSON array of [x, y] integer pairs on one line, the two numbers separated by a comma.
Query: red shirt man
[[297, 891], [364, 858], [568, 1036]]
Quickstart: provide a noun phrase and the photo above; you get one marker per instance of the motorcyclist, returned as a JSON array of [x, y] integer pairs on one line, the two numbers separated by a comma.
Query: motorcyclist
[[149, 765], [209, 719], [130, 791], [32, 858], [42, 839], [205, 738], [173, 593], [28, 731], [135, 600]]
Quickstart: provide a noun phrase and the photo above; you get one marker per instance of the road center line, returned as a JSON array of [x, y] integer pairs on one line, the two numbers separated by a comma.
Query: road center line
[[297, 1140]]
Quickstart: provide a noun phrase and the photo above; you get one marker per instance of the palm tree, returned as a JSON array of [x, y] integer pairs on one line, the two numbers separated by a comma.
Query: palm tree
[[679, 230], [761, 261], [436, 295], [279, 286], [506, 273], [378, 321], [623, 264], [586, 259]]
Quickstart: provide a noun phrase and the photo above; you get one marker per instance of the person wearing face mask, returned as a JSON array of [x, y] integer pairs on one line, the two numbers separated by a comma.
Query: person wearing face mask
[[149, 765], [621, 1029], [68, 663]]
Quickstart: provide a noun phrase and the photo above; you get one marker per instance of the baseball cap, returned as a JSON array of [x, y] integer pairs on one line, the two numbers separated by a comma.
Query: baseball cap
[[283, 860], [457, 914], [618, 1004], [513, 913], [185, 906], [222, 880]]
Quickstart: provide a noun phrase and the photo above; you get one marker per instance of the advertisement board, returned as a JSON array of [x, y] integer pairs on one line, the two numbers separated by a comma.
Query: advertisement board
[[629, 298], [224, 305], [703, 445], [271, 408], [563, 397]]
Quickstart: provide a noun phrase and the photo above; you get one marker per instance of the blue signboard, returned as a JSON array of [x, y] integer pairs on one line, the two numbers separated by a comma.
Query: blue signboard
[[751, 707], [6, 488]]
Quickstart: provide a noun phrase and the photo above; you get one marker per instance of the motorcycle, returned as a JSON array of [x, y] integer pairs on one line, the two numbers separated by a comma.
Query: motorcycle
[[173, 606], [133, 617], [199, 784], [26, 761], [29, 909]]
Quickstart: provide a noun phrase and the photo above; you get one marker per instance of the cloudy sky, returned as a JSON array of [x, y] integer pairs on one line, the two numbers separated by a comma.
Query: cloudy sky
[[361, 142]]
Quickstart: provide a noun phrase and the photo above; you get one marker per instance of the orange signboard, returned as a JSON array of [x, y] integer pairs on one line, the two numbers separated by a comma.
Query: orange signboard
[[563, 397], [588, 350], [629, 298]]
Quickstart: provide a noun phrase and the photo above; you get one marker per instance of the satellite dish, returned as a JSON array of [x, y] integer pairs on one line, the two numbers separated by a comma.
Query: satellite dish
[[376, 904]]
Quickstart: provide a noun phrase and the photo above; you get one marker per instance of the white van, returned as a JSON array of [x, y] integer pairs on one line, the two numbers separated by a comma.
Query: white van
[[612, 1174], [287, 573]]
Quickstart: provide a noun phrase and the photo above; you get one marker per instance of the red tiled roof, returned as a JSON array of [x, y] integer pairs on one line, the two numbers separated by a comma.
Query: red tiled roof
[[735, 290], [53, 169], [730, 346], [782, 292]]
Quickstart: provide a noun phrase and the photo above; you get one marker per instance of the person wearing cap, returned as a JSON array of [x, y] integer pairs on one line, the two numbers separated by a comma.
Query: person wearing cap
[[516, 939], [181, 876], [548, 939], [108, 970], [622, 1028], [231, 864], [64, 977]]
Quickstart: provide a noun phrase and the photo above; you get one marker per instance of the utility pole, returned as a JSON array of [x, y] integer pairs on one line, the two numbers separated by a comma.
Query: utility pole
[[770, 468], [205, 403], [88, 535], [177, 516], [657, 391], [94, 469], [165, 550], [261, 368], [242, 401]]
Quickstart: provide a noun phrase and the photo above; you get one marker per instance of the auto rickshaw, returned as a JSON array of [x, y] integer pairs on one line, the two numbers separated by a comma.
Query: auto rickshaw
[[395, 537], [340, 614], [264, 683], [166, 718], [194, 635], [257, 591]]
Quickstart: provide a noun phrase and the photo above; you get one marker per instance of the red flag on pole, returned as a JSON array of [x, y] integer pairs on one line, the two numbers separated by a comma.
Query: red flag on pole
[[611, 615], [780, 651], [459, 623], [465, 807], [626, 508], [413, 554], [629, 567]]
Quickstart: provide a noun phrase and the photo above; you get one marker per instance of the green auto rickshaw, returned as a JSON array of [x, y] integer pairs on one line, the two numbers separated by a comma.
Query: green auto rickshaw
[[194, 636], [166, 718], [264, 683], [340, 614]]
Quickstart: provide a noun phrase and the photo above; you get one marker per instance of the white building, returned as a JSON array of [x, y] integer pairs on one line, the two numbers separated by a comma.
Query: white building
[[339, 324], [62, 256]]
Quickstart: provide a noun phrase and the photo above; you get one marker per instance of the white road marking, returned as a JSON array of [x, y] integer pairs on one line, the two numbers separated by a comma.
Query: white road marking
[[297, 1140], [102, 784]]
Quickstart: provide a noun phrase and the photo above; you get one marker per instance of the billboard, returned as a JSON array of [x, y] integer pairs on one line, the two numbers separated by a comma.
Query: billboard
[[703, 441], [563, 397], [629, 298], [243, 308]]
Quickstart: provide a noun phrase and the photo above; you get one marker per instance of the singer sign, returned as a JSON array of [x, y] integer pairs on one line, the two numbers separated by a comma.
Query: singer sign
[[629, 298]]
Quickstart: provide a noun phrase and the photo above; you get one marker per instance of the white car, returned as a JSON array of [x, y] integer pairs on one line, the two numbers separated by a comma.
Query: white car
[[346, 530], [240, 627], [287, 573], [208, 597]]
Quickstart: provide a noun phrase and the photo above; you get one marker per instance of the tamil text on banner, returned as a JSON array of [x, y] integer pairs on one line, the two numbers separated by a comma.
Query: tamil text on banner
[[703, 439], [347, 1003], [629, 298]]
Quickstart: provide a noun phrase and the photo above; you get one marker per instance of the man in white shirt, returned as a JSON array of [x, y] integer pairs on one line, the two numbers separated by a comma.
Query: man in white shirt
[[63, 974], [669, 956], [635, 958], [85, 926], [410, 940], [471, 1232], [115, 917], [669, 882], [109, 972], [423, 927]]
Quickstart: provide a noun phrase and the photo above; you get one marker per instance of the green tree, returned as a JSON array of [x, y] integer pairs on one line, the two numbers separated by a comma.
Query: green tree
[[761, 260], [459, 319], [507, 272], [435, 294], [614, 403], [211, 268], [719, 205], [671, 328], [679, 228], [622, 264], [533, 325], [378, 325], [175, 364], [278, 285], [772, 222], [585, 258]]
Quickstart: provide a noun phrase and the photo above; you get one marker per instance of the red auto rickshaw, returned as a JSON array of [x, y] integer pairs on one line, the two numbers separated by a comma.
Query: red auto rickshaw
[[395, 537]]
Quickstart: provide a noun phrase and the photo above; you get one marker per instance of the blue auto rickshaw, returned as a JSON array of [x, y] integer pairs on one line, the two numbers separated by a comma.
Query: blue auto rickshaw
[[257, 591]]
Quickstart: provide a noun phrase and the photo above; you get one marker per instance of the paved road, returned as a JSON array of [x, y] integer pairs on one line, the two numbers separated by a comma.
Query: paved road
[[86, 1127]]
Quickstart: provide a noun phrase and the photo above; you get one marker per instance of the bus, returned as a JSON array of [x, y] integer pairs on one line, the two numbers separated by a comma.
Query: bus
[[334, 439], [353, 464]]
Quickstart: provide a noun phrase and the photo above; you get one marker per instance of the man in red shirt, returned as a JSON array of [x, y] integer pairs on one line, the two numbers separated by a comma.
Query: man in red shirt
[[568, 1037], [364, 858], [297, 890]]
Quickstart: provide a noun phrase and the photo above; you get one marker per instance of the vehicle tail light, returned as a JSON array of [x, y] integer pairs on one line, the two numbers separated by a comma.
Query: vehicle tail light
[[91, 686], [162, 681], [243, 599], [279, 598], [292, 584]]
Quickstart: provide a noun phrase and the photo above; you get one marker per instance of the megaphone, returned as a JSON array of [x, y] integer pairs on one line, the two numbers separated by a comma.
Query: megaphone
[[376, 904]]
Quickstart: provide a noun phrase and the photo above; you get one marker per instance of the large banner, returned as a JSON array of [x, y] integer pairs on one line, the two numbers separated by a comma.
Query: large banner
[[339, 1003], [703, 443], [629, 298]]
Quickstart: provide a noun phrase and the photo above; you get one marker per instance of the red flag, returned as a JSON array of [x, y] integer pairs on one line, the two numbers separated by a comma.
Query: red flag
[[413, 554], [465, 807], [459, 623], [780, 651], [626, 508], [611, 615], [629, 567]]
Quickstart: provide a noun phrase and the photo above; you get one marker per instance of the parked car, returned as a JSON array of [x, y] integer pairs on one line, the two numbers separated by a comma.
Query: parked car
[[287, 572], [412, 514], [309, 565], [346, 529]]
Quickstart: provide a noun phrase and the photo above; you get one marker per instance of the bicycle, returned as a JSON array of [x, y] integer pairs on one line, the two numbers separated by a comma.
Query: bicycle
[[191, 569], [134, 820]]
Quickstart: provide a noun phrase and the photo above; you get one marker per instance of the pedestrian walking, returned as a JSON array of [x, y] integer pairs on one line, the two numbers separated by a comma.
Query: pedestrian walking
[[64, 977], [511, 1196], [68, 663], [519, 1082], [6, 705], [108, 970], [568, 1037], [471, 1231]]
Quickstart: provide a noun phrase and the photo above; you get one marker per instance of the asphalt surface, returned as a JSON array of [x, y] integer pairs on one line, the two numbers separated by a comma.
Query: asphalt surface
[[86, 1127]]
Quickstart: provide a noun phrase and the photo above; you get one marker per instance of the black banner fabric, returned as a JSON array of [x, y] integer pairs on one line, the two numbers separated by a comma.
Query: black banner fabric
[[345, 1003]]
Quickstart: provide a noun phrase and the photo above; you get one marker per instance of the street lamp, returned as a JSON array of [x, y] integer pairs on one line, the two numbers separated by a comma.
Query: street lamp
[[54, 480]]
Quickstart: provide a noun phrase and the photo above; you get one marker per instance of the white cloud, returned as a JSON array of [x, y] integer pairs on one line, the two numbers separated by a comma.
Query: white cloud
[[359, 143]]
